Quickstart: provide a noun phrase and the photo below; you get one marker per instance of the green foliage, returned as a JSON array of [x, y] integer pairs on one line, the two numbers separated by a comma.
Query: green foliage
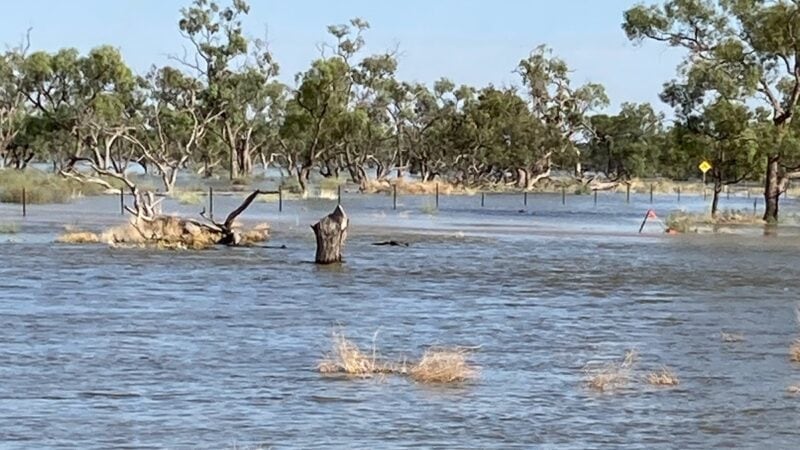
[[627, 145]]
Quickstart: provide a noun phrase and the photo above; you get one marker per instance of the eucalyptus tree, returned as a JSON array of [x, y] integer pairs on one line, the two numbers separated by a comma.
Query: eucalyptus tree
[[170, 125], [740, 49], [217, 43], [323, 94], [627, 144], [367, 127], [561, 107], [726, 134], [14, 108]]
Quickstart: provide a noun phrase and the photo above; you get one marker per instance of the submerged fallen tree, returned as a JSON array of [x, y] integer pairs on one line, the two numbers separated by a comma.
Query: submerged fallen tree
[[172, 232]]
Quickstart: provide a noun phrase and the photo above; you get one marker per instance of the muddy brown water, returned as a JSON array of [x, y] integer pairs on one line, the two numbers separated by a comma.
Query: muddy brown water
[[113, 348]]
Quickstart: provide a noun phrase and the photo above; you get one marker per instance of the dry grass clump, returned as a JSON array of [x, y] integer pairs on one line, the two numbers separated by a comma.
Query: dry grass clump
[[347, 358], [78, 237], [437, 365], [165, 233], [685, 222], [731, 337], [410, 187], [611, 376], [442, 366], [794, 351], [255, 235], [663, 377]]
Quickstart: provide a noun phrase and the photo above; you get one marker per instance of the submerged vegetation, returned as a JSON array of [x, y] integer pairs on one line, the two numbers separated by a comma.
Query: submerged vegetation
[[40, 187], [436, 366], [616, 375]]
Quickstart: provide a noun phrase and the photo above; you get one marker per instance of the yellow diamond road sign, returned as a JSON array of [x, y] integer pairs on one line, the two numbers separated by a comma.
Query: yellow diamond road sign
[[705, 166]]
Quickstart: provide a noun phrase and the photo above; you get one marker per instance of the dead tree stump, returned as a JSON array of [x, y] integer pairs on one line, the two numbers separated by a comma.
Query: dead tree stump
[[331, 232]]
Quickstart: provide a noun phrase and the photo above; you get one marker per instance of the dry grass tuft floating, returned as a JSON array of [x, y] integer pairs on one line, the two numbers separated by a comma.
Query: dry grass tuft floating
[[611, 376], [442, 366], [437, 365], [794, 351], [663, 377], [347, 358], [78, 237]]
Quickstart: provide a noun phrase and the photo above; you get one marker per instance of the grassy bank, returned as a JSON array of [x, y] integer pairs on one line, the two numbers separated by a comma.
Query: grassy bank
[[41, 187]]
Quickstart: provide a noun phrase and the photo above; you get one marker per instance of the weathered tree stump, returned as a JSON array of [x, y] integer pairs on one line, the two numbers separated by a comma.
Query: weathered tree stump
[[331, 232]]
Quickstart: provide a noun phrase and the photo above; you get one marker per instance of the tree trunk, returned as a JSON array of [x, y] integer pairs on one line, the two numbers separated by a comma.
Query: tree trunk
[[302, 179], [234, 166], [522, 178], [331, 232], [772, 190], [715, 199]]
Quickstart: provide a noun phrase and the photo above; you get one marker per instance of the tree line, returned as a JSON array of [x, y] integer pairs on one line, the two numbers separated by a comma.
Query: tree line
[[221, 109]]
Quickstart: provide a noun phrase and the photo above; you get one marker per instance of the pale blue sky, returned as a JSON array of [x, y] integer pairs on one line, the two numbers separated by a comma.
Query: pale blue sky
[[469, 41]]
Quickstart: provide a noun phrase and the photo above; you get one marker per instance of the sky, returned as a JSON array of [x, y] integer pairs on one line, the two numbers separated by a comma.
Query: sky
[[475, 42]]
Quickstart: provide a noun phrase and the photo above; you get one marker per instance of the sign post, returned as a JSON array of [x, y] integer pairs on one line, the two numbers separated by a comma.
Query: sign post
[[704, 167]]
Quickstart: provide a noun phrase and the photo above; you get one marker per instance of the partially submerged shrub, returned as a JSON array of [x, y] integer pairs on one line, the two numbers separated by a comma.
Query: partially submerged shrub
[[331, 183], [442, 366], [437, 365], [189, 198], [611, 376], [414, 187], [685, 222], [794, 351], [347, 358], [9, 228], [663, 377]]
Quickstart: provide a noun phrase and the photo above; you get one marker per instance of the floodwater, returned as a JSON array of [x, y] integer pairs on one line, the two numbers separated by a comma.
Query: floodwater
[[116, 348]]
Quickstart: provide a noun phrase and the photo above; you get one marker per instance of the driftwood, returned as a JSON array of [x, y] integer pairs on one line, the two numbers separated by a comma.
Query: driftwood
[[229, 236], [184, 233], [392, 243], [331, 232]]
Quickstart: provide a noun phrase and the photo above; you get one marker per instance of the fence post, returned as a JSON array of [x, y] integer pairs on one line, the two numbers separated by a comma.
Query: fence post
[[121, 201], [525, 198], [679, 194], [563, 195], [483, 199], [24, 203], [394, 197], [651, 193], [755, 206], [728, 191], [437, 195], [280, 198], [211, 202], [595, 197], [339, 194], [627, 193]]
